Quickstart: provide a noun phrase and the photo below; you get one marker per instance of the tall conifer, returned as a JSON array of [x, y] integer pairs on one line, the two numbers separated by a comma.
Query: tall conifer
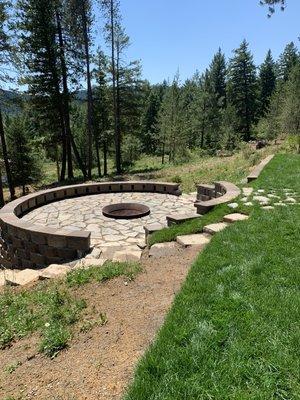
[[242, 89]]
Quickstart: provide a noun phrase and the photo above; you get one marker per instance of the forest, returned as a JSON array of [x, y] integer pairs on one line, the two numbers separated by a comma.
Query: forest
[[82, 106]]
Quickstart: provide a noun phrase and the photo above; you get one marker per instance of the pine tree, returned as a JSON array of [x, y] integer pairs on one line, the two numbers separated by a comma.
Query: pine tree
[[80, 21], [287, 60], [25, 162], [5, 58], [291, 105], [217, 71], [242, 89], [111, 12], [267, 83], [102, 111], [149, 119], [42, 55], [172, 137], [272, 4]]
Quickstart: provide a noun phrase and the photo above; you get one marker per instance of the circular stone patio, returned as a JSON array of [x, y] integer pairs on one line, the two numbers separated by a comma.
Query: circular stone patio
[[85, 213]]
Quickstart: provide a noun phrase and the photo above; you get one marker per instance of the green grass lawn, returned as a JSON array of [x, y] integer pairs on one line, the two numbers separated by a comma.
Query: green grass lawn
[[186, 228], [233, 330]]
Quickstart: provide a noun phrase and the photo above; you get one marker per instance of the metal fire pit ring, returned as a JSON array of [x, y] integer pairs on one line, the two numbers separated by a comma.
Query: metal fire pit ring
[[125, 210]]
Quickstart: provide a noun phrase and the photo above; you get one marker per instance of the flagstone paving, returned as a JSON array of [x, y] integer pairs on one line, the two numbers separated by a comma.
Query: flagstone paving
[[85, 213]]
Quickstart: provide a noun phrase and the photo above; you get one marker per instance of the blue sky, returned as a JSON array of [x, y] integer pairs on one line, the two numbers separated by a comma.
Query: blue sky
[[172, 34]]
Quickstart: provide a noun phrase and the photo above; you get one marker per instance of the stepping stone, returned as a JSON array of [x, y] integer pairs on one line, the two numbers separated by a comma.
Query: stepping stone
[[54, 270], [233, 205], [247, 191], [235, 217], [273, 196], [280, 204], [215, 228], [268, 208], [24, 277], [127, 255], [262, 199], [261, 191], [291, 200], [163, 249], [249, 203], [244, 199], [197, 240]]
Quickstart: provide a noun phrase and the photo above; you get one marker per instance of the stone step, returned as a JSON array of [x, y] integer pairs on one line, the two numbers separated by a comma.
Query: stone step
[[151, 228], [198, 240], [54, 270], [24, 277], [7, 275], [129, 255], [174, 219], [215, 228], [91, 262], [163, 249], [95, 253], [235, 217]]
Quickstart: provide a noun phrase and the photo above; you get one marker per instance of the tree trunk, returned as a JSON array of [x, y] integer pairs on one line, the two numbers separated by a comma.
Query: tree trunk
[[105, 158], [66, 97], [98, 158], [118, 107], [64, 151], [113, 67], [163, 153], [2, 202], [90, 108], [6, 161], [57, 163]]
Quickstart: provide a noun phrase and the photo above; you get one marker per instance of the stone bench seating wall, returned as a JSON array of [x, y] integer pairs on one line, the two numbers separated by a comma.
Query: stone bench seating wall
[[209, 196], [25, 245]]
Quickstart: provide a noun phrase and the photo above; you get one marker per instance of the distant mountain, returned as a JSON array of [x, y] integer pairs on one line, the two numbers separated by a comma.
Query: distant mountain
[[11, 101]]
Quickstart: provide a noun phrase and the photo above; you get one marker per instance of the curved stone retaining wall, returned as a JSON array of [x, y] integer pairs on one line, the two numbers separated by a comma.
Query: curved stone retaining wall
[[24, 245], [209, 196]]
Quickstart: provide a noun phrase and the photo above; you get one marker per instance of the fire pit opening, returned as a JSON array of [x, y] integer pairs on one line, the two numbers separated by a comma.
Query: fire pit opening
[[125, 210]]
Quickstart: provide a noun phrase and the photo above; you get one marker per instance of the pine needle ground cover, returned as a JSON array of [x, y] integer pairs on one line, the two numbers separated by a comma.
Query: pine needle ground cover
[[233, 330]]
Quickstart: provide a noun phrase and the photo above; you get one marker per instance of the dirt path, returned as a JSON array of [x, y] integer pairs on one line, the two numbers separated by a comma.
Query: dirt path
[[100, 363]]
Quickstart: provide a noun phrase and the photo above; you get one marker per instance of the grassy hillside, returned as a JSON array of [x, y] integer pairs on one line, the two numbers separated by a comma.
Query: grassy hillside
[[233, 330]]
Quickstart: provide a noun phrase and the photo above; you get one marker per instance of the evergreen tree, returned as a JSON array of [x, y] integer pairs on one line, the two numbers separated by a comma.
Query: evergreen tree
[[44, 71], [80, 21], [272, 4], [172, 135], [149, 121], [217, 72], [25, 161], [242, 89], [287, 60], [267, 82], [291, 105], [102, 105], [5, 58], [113, 30]]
